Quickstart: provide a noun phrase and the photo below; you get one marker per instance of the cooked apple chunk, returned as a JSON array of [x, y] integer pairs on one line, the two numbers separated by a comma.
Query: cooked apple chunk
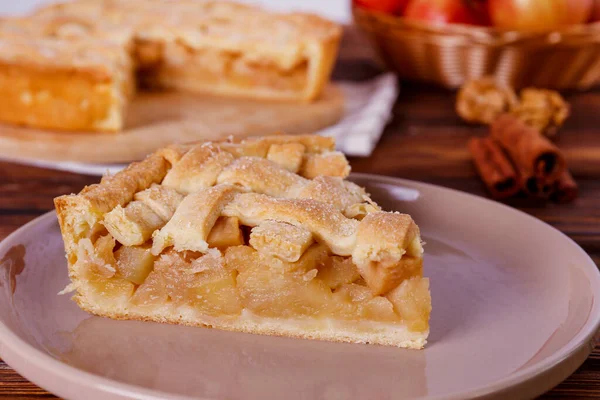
[[134, 263]]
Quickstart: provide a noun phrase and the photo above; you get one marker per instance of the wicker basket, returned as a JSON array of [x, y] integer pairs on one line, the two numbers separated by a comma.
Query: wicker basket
[[451, 54]]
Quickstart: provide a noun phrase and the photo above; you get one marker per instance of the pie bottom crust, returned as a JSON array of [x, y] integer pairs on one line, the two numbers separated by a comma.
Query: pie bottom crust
[[328, 329]]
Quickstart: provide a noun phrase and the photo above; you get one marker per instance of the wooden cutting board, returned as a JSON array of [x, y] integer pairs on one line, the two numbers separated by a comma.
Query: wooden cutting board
[[156, 119]]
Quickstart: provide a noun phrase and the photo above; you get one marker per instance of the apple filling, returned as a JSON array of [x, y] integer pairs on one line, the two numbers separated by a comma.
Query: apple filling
[[174, 65], [240, 277]]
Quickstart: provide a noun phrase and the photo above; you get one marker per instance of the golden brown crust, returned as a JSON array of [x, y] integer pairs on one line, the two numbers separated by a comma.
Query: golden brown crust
[[133, 224], [260, 175], [68, 26], [325, 222], [332, 163], [40, 71], [79, 215], [198, 169], [119, 189], [193, 220], [335, 191], [260, 146], [288, 155]]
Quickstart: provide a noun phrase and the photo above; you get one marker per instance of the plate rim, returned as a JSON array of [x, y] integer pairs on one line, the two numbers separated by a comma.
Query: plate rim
[[22, 349], [585, 340], [17, 352]]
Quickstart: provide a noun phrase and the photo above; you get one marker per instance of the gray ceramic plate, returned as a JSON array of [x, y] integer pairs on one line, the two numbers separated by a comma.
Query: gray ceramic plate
[[515, 309]]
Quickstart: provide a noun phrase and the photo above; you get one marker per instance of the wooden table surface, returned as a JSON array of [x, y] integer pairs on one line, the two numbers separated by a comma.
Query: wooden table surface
[[425, 141]]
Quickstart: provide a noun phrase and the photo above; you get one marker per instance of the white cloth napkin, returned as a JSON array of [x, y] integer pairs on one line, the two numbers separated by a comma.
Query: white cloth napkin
[[368, 109]]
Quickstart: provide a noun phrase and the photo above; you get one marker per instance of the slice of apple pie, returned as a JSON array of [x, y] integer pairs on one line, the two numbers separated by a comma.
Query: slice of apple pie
[[263, 236]]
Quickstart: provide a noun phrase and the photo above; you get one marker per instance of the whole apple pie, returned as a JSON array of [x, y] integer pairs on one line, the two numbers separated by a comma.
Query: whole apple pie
[[76, 65], [263, 236]]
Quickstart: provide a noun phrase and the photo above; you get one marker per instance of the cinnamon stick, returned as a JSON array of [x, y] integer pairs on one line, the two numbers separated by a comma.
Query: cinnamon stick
[[536, 158], [536, 186], [495, 169], [565, 189]]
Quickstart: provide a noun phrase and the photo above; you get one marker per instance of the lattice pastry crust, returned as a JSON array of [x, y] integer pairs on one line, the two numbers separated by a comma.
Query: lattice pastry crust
[[248, 236]]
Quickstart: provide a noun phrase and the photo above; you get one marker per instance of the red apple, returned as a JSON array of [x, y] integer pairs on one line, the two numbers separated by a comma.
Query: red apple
[[447, 11], [595, 11], [387, 6], [538, 15], [579, 11]]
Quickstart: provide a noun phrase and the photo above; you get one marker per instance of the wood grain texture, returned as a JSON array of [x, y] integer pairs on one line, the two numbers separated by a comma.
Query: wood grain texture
[[156, 119], [424, 141]]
